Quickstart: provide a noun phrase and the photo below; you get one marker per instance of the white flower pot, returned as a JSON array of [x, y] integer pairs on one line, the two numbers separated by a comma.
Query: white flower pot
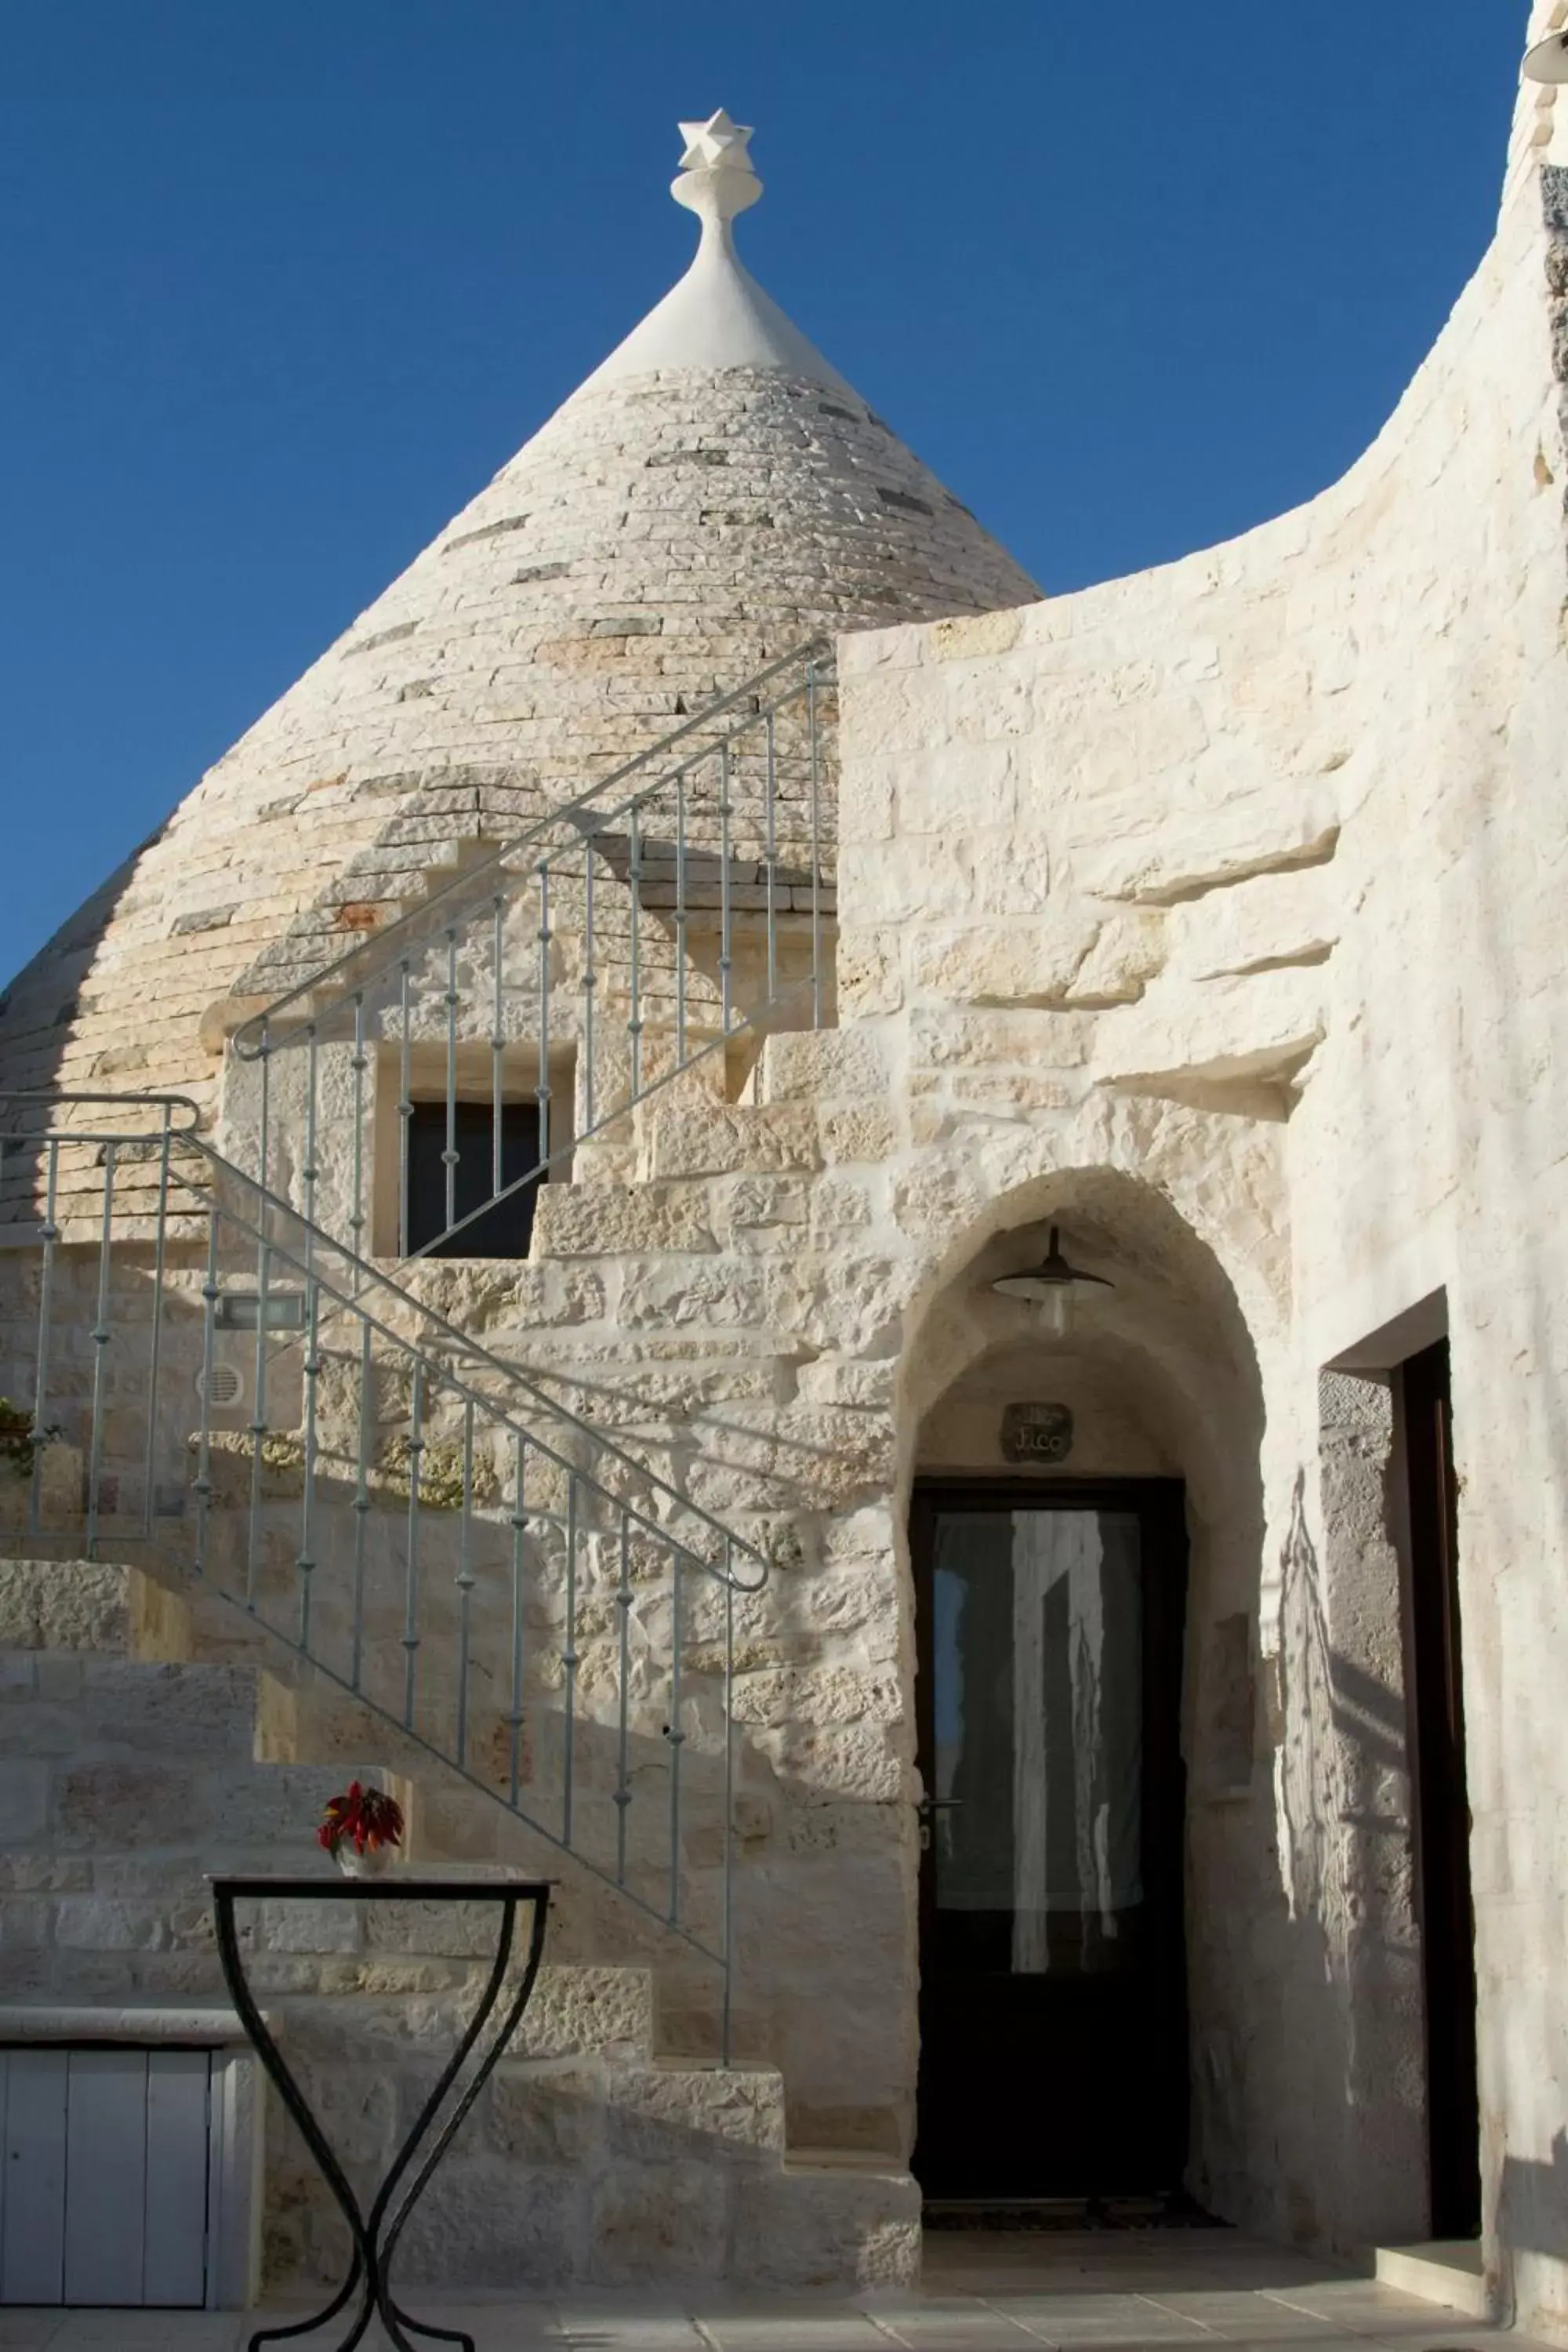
[[372, 1863]]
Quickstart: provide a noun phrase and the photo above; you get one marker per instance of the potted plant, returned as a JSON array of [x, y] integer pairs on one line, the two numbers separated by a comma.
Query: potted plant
[[359, 1829]]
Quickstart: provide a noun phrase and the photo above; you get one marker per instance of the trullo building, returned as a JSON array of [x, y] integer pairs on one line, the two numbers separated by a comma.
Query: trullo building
[[868, 1265]]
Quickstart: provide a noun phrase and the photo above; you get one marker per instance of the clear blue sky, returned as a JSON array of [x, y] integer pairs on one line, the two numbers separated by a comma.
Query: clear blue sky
[[283, 281]]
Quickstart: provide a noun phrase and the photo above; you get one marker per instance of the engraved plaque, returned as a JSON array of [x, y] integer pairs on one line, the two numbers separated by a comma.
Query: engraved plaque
[[1037, 1434]]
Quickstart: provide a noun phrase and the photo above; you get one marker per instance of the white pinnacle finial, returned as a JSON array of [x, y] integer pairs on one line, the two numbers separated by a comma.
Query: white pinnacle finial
[[716, 178]]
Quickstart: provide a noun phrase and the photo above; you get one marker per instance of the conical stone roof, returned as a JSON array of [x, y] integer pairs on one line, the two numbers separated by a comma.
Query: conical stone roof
[[713, 496]]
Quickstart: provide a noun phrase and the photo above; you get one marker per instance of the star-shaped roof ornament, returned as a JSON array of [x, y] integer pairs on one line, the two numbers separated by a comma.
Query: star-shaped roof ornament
[[717, 145], [716, 180]]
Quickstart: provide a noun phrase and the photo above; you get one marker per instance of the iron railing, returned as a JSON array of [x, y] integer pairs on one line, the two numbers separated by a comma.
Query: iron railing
[[566, 976], [526, 1597]]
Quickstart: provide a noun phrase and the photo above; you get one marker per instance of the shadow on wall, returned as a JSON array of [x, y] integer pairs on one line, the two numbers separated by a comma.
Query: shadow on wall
[[1533, 2202], [1355, 2075], [1308, 2120], [43, 1006]]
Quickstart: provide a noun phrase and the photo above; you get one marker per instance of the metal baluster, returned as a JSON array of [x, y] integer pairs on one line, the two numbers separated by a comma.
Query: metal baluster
[[569, 1659], [309, 1172], [411, 1563], [450, 1156], [49, 1231], [498, 1047], [305, 1563], [590, 982], [680, 921], [259, 1419], [816, 848], [770, 836], [724, 957], [160, 1252], [676, 1739], [203, 1481], [623, 1781], [542, 1090], [519, 1603], [361, 1502], [726, 1889], [464, 1584], [405, 1109], [264, 1055], [100, 1337], [634, 1026], [359, 1065]]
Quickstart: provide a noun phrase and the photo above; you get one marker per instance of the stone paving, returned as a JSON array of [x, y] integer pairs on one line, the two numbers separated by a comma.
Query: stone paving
[[1106, 2293]]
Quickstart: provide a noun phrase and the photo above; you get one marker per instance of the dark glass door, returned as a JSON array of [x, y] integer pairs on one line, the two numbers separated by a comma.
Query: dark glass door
[[1442, 1800], [1053, 2033]]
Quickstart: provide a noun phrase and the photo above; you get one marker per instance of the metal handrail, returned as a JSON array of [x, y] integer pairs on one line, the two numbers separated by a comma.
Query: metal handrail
[[575, 961], [590, 1534], [131, 1101], [351, 1300], [363, 1276], [250, 1040]]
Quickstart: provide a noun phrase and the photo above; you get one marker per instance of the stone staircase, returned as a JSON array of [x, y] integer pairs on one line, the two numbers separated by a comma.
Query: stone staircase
[[149, 1737]]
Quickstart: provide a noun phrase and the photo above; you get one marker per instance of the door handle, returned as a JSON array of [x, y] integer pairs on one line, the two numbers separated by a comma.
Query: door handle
[[926, 1808]]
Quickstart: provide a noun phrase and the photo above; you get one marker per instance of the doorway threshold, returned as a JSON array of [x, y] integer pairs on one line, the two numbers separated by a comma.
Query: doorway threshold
[[1176, 2212], [1439, 2270]]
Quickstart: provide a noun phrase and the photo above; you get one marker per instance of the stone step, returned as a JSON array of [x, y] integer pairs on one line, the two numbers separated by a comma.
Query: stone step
[[152, 1735], [101, 1709], [632, 2175], [291, 1716], [580, 2163], [575, 2016], [826, 2221], [1440, 2270], [65, 1605], [296, 1720], [453, 1823]]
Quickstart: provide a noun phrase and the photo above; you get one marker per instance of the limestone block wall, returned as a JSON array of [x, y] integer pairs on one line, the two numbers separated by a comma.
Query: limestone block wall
[[1245, 877], [769, 1311], [1216, 912]]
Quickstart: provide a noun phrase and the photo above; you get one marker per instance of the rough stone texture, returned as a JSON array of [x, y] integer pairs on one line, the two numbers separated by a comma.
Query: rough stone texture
[[1325, 759], [590, 2159], [1216, 913], [654, 545]]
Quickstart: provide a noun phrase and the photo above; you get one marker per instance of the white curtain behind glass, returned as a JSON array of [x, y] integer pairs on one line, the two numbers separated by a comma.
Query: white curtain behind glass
[[1077, 1728]]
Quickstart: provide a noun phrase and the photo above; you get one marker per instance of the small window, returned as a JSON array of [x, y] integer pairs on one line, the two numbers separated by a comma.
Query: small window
[[502, 1231], [240, 1311]]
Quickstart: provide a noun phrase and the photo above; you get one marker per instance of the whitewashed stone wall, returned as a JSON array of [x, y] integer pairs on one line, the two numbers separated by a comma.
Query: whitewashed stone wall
[[1242, 877], [1214, 911]]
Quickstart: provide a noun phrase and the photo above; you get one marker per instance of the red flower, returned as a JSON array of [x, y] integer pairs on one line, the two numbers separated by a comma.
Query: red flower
[[367, 1816]]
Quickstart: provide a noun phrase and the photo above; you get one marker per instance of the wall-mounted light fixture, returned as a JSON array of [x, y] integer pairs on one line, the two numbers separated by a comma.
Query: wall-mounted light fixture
[[1053, 1286], [1548, 60]]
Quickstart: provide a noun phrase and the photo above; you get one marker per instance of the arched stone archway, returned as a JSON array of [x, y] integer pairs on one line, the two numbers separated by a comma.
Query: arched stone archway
[[1161, 1375]]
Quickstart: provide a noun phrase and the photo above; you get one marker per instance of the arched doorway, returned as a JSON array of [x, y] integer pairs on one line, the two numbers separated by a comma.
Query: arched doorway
[[1060, 1702]]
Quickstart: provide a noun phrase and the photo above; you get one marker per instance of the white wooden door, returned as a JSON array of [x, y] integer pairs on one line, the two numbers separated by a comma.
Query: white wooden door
[[103, 2188], [175, 2251], [33, 2179]]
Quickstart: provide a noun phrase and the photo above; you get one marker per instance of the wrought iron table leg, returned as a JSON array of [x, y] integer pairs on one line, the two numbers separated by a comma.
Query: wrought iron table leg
[[375, 2237]]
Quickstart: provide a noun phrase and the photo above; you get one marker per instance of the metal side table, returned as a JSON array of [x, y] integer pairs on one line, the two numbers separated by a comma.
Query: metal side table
[[375, 2234]]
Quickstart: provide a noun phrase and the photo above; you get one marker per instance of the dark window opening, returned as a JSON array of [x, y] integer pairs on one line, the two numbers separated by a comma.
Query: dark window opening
[[500, 1230]]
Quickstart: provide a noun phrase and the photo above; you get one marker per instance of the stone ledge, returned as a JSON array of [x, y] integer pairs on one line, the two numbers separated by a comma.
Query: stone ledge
[[161, 2027]]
